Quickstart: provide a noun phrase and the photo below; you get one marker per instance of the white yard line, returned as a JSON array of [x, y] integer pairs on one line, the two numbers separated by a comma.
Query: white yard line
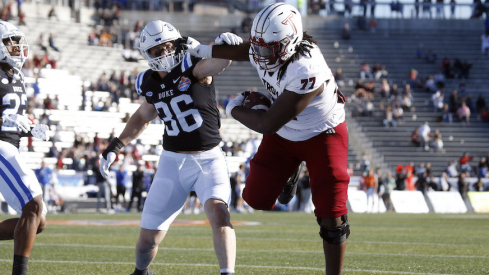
[[256, 251], [243, 266]]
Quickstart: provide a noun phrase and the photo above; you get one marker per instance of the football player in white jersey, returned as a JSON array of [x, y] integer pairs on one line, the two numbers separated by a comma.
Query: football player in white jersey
[[179, 88], [18, 184], [306, 122]]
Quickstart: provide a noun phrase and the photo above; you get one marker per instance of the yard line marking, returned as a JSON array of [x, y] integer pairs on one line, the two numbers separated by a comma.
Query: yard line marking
[[273, 239], [257, 251], [214, 265]]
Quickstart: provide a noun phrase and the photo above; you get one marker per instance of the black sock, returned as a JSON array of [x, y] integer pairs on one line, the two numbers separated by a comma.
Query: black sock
[[20, 265], [140, 272], [227, 273]]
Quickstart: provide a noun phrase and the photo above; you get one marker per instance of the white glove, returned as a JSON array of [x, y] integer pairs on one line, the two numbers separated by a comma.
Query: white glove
[[196, 49], [40, 131], [228, 38], [237, 101], [105, 164], [21, 122]]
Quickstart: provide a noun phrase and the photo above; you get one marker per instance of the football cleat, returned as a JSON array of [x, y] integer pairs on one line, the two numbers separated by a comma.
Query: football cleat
[[148, 272], [291, 187]]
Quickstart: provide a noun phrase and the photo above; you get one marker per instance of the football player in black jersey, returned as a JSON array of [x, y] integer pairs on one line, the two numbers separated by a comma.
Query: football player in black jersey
[[18, 184], [179, 89]]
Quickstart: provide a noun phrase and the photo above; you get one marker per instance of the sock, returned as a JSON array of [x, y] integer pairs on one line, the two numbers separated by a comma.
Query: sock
[[140, 272], [20, 265], [227, 271]]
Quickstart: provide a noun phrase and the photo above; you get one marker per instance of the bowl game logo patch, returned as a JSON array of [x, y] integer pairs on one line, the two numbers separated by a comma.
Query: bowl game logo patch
[[184, 84]]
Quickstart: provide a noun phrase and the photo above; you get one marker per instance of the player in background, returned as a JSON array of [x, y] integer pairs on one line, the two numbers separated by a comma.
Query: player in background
[[18, 184], [179, 88], [306, 122]]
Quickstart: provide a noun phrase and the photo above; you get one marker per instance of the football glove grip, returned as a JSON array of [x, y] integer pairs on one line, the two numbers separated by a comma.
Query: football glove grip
[[228, 38], [237, 101], [40, 131], [196, 49], [109, 155], [21, 122]]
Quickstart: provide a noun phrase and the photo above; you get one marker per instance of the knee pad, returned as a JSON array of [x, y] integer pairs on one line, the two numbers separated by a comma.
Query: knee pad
[[335, 235]]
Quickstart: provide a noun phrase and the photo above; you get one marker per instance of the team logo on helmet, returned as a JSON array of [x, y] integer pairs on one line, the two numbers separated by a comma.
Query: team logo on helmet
[[143, 38], [149, 93], [184, 84], [170, 27]]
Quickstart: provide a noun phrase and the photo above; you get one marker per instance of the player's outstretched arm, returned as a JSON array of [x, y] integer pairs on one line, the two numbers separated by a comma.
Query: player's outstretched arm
[[233, 52], [138, 122], [287, 106], [135, 126]]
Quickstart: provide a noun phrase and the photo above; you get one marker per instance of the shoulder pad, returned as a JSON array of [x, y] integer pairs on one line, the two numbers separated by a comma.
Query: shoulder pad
[[139, 82], [189, 61]]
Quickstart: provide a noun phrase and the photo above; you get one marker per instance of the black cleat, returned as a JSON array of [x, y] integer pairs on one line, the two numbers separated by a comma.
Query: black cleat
[[143, 272], [291, 187]]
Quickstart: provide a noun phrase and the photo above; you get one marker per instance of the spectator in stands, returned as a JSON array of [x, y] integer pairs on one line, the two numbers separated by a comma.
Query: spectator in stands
[[54, 200], [372, 25], [422, 183], [365, 71], [52, 14], [480, 103], [437, 141], [479, 185], [340, 79], [369, 90], [52, 43], [439, 79], [93, 38], [453, 5], [485, 42], [440, 9], [388, 116], [483, 168], [398, 114], [427, 8], [362, 23], [348, 7], [424, 135], [419, 51], [365, 162], [385, 88], [396, 7], [401, 175], [390, 185], [451, 169], [431, 85], [446, 115], [430, 57], [465, 70], [305, 187], [438, 99], [484, 114], [122, 177], [463, 113], [454, 102], [44, 175], [463, 185], [415, 137], [444, 182], [137, 188], [370, 185], [246, 23], [464, 163], [406, 103], [369, 108]]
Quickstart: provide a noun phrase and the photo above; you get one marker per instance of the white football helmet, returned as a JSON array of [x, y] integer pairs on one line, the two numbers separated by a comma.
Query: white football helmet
[[275, 35], [154, 34], [11, 36]]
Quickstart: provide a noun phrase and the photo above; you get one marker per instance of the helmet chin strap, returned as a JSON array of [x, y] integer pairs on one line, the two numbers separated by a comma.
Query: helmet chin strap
[[17, 73]]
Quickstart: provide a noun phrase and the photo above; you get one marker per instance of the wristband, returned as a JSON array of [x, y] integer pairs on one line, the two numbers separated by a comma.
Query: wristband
[[114, 146]]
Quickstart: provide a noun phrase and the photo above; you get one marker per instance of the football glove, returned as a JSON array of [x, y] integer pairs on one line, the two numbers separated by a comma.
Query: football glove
[[21, 122], [237, 101], [228, 38], [40, 131], [109, 156], [196, 49]]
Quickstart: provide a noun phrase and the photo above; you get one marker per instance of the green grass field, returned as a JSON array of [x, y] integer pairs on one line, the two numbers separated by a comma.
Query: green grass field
[[282, 243]]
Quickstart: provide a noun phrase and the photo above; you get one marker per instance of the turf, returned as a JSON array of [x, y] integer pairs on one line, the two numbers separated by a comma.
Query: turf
[[282, 243]]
